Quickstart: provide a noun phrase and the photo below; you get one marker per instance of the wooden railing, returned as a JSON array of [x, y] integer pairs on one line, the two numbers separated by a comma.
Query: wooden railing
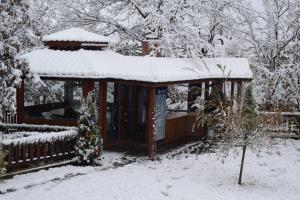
[[9, 118], [28, 146], [28, 155], [180, 125], [284, 121]]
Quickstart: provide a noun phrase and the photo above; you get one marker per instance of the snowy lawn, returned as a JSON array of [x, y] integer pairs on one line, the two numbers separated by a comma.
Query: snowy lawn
[[184, 177]]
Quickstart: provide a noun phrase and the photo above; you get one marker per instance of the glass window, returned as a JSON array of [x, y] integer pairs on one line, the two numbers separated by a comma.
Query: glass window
[[112, 113], [53, 99]]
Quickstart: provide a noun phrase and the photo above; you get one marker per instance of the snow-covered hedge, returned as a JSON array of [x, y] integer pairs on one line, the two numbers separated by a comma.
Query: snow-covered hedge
[[9, 128], [28, 134], [35, 137]]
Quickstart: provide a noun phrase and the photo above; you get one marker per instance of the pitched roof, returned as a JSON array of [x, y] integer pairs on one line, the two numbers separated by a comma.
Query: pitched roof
[[109, 64], [75, 34]]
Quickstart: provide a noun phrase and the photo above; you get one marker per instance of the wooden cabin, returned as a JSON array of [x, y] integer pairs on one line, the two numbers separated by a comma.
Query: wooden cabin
[[132, 91]]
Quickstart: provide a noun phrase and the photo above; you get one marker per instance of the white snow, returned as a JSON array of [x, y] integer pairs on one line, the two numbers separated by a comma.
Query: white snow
[[75, 34], [37, 127], [34, 137], [109, 64], [186, 177]]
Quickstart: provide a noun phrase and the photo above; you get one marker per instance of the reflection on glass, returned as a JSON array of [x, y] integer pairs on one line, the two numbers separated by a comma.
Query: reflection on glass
[[112, 112], [53, 99]]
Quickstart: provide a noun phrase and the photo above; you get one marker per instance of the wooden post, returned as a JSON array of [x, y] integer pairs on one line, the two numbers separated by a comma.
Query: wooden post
[[206, 92], [232, 93], [150, 121], [20, 103], [190, 98], [88, 85], [239, 92], [102, 110]]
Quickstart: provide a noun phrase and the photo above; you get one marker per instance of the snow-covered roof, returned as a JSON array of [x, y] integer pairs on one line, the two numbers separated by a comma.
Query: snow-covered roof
[[109, 64], [75, 34]]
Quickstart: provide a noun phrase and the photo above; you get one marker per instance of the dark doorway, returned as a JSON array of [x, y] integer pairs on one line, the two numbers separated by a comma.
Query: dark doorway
[[126, 113]]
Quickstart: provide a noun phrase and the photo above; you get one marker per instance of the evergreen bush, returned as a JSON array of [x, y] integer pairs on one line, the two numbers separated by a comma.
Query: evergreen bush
[[89, 145]]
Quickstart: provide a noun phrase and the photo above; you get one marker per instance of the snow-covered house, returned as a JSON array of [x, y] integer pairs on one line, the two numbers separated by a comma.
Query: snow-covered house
[[131, 90]]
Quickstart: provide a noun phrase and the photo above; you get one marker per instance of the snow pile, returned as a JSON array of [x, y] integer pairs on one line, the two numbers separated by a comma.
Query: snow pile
[[109, 64], [35, 137], [75, 34]]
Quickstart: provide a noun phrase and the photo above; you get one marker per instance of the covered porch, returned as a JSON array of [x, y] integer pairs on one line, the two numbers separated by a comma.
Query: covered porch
[[132, 115]]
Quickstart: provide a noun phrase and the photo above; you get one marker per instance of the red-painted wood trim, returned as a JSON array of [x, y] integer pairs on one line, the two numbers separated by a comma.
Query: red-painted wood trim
[[20, 103], [232, 90], [239, 94], [189, 97], [59, 122], [143, 83], [206, 92], [150, 121], [102, 110], [88, 85]]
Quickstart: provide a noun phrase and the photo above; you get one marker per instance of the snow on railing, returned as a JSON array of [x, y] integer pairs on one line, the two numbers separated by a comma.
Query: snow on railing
[[34, 145], [32, 127], [17, 138]]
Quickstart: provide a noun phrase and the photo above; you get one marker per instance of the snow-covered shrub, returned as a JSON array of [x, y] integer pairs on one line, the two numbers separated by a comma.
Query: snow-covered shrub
[[89, 144]]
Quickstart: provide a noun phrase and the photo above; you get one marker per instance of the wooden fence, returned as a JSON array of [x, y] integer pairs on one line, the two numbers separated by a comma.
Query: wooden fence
[[29, 155], [9, 118], [284, 121]]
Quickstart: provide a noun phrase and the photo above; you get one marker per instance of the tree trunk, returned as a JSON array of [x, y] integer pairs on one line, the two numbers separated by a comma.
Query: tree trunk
[[242, 164]]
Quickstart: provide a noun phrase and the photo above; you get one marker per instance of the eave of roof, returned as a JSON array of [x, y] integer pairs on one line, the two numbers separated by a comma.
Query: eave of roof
[[114, 66]]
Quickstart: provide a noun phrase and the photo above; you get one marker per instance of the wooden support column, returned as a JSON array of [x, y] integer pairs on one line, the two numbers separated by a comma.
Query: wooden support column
[[20, 103], [239, 94], [190, 99], [150, 122], [206, 92], [232, 93], [88, 85], [102, 110]]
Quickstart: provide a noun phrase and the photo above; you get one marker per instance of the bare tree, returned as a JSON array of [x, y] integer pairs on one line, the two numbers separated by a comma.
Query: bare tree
[[235, 127]]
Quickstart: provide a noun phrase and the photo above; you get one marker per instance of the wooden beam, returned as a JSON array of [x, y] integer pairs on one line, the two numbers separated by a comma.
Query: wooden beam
[[190, 99], [102, 110], [88, 85], [206, 92], [142, 83], [232, 93], [20, 103], [150, 122], [239, 94], [59, 122]]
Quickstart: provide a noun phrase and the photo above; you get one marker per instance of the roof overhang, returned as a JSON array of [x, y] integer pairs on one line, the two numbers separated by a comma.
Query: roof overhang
[[108, 65]]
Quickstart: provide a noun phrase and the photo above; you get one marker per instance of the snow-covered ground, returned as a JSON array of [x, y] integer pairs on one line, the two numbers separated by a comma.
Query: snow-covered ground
[[184, 177]]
